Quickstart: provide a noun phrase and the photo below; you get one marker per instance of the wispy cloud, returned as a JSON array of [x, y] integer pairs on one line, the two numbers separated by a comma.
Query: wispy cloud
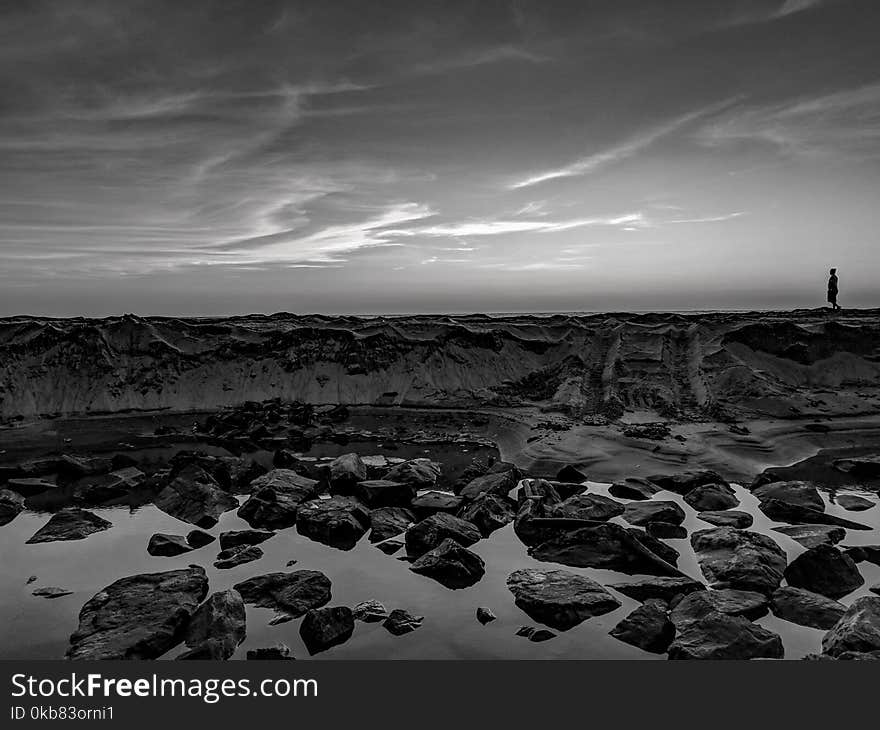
[[501, 227]]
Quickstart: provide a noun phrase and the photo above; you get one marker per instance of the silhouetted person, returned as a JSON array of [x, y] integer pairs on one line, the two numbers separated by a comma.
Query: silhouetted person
[[832, 289]]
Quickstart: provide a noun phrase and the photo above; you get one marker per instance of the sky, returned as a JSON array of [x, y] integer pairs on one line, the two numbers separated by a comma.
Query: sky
[[212, 158]]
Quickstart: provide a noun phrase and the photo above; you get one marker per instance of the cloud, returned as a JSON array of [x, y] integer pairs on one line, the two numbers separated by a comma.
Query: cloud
[[502, 227], [795, 6]]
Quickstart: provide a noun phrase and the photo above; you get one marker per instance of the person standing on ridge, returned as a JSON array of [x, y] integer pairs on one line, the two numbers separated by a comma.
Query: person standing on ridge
[[832, 290]]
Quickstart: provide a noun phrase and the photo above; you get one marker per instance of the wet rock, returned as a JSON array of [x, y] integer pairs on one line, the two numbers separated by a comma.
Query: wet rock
[[607, 546], [806, 608], [864, 553], [11, 505], [662, 550], [558, 598], [218, 626], [388, 522], [434, 501], [70, 524], [275, 498], [684, 482], [648, 627], [732, 558], [634, 488], [499, 484], [798, 493], [162, 545], [825, 570], [235, 538], [734, 602], [854, 503], [138, 617], [344, 473], [451, 565], [641, 513], [572, 474], [533, 634], [51, 592], [389, 547], [241, 473], [867, 467], [712, 497], [288, 593], [30, 486], [324, 628], [279, 652], [369, 612], [102, 488], [660, 587], [812, 535], [433, 530], [400, 622], [339, 521], [858, 630], [728, 518], [485, 615], [198, 539], [418, 473], [665, 531], [488, 512], [796, 515], [595, 507], [383, 493], [194, 496], [75, 467], [704, 632], [238, 555]]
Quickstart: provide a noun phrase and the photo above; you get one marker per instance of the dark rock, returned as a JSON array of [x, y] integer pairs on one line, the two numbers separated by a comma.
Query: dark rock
[[419, 473], [323, 628], [51, 592], [826, 570], [569, 473], [433, 530], [275, 498], [70, 524], [288, 593], [536, 635], [648, 627], [858, 630], [102, 488], [198, 539], [854, 503], [558, 598], [388, 522], [369, 612], [488, 512], [736, 602], [662, 588], [662, 550], [194, 496], [451, 565], [240, 473], [665, 531], [812, 535], [219, 624], [499, 484], [800, 494], [118, 462], [235, 538], [712, 497], [389, 547], [634, 488], [138, 617], [864, 553], [732, 558], [339, 521], [704, 632], [796, 515], [382, 493], [728, 518], [867, 467], [641, 513], [162, 545], [279, 652], [485, 615], [30, 486], [430, 502], [806, 608], [11, 505], [344, 472], [75, 467], [238, 555], [595, 507], [400, 622], [684, 482]]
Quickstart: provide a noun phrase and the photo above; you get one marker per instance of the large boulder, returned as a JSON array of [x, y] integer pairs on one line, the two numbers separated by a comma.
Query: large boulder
[[862, 467], [642, 513], [488, 512], [11, 505], [217, 627], [339, 521], [388, 522], [647, 627], [195, 497], [663, 588], [238, 555], [400, 622], [499, 483], [323, 628], [74, 466], [31, 486], [854, 503], [857, 631], [70, 524], [812, 535], [451, 565], [428, 503], [727, 518], [806, 608], [825, 570], [235, 538], [732, 558], [430, 532], [383, 493], [291, 594], [795, 514], [103, 487], [344, 472], [418, 473], [684, 482], [162, 545], [735, 602], [634, 488], [558, 598], [595, 507], [712, 497], [798, 493], [275, 498], [138, 617]]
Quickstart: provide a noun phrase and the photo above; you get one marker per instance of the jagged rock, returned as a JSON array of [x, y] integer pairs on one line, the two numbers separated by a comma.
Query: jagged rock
[[684, 482], [825, 570], [595, 507], [736, 602], [418, 473], [400, 622], [662, 550], [75, 467], [275, 498], [728, 518], [864, 553], [569, 473], [704, 632], [558, 598], [11, 505], [138, 617], [388, 522], [288, 593], [665, 531], [485, 615], [732, 558], [451, 565], [194, 496], [339, 521], [660, 587], [101, 488], [51, 592], [198, 539], [499, 484], [162, 545], [796, 515], [648, 627], [218, 626], [800, 494], [854, 503], [434, 501], [389, 547], [70, 524], [806, 608], [533, 634], [369, 612], [607, 546], [858, 630], [30, 486], [641, 513], [488, 512], [634, 488], [433, 530], [235, 538], [712, 497], [812, 535], [324, 628], [344, 472], [238, 555], [382, 493], [279, 652]]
